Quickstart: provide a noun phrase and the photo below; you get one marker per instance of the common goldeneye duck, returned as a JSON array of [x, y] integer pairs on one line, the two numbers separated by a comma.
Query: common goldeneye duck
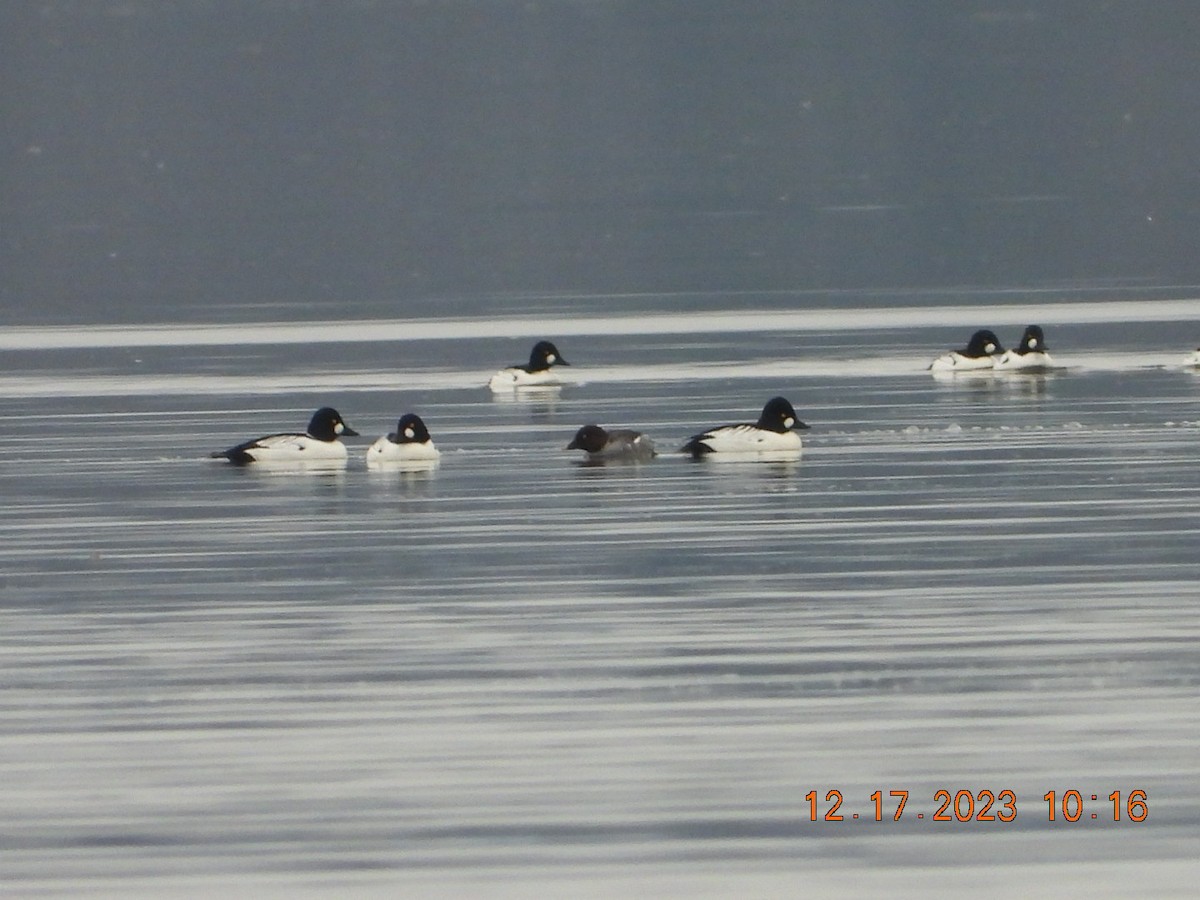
[[535, 372], [774, 431], [410, 442], [319, 444], [1030, 353], [980, 353], [618, 444]]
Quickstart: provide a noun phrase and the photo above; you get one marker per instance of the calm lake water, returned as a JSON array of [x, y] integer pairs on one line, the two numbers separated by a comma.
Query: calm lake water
[[514, 674]]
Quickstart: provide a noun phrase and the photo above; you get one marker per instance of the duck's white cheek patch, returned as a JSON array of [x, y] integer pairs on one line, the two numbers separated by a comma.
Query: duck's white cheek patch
[[990, 348], [551, 358], [1033, 343], [788, 422], [338, 428], [409, 433]]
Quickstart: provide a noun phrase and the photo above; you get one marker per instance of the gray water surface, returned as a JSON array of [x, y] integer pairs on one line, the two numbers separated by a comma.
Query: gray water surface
[[516, 674]]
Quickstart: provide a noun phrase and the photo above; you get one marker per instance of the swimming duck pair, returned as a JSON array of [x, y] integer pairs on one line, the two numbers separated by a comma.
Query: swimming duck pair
[[983, 351], [409, 442], [775, 431]]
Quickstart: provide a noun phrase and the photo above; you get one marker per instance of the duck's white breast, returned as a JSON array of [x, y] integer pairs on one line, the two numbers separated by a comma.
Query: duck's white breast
[[295, 448], [956, 362], [384, 450], [749, 439], [507, 379], [1037, 359]]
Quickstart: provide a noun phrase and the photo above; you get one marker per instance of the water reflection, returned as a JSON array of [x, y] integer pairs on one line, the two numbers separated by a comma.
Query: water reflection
[[786, 458], [971, 378], [403, 470], [657, 658], [329, 469], [540, 403], [750, 468], [616, 462], [1031, 384], [542, 394]]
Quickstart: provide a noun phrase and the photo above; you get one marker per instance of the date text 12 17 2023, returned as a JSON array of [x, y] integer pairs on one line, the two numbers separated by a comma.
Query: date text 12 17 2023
[[964, 805]]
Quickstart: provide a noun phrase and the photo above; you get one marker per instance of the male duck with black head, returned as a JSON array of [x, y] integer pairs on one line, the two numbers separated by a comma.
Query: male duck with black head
[[774, 432], [1030, 355], [536, 373], [409, 443], [318, 444], [980, 353]]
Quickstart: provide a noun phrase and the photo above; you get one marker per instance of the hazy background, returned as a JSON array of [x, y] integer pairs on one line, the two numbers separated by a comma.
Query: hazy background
[[202, 160], [520, 676]]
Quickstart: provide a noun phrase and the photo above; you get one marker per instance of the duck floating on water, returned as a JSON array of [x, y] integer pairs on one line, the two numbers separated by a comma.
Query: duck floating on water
[[537, 372], [1031, 353], [318, 444], [774, 431], [980, 353], [410, 442], [618, 444]]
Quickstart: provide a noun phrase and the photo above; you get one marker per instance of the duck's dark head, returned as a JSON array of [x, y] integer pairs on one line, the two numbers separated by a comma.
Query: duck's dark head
[[545, 355], [410, 430], [327, 425], [1033, 340], [983, 343], [591, 438], [779, 416]]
